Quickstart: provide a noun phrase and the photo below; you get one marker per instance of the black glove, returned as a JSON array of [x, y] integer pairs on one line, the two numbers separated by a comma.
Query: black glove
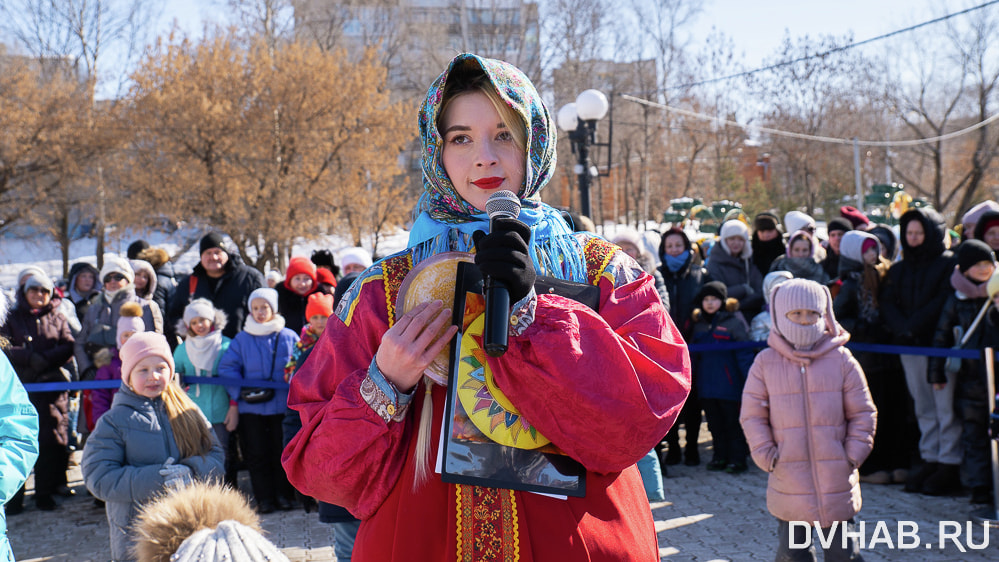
[[38, 362], [503, 256]]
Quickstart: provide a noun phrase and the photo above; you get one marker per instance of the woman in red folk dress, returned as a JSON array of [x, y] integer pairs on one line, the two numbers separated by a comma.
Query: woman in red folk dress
[[602, 387]]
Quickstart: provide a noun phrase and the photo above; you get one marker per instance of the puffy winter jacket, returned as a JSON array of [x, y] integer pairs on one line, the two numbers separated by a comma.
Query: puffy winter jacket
[[682, 287], [740, 276], [721, 374], [810, 425], [918, 285], [252, 358], [18, 443], [959, 310], [101, 323], [41, 342], [211, 398], [124, 455], [229, 294]]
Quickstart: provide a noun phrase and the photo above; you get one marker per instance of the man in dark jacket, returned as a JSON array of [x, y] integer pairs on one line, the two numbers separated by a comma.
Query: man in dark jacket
[[220, 279]]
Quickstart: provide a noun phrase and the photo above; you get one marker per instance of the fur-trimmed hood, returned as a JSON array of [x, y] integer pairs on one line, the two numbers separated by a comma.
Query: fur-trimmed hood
[[731, 305], [155, 256], [219, 321]]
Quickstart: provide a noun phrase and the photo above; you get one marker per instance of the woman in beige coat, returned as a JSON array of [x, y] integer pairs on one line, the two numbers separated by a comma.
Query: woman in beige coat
[[809, 420]]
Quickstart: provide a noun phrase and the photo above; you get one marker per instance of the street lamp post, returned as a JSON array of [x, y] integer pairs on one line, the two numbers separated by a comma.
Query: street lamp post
[[579, 119]]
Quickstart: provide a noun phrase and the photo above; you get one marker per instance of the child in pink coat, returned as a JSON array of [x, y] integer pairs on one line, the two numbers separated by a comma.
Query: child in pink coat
[[809, 420]]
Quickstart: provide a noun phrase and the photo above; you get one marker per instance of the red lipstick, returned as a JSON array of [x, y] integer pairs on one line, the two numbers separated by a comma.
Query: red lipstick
[[489, 183]]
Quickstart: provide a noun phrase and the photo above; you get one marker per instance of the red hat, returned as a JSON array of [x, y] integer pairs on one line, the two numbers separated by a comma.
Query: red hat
[[325, 276], [852, 214], [300, 264], [320, 304]]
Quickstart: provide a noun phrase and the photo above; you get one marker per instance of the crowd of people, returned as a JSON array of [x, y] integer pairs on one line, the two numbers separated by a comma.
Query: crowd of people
[[356, 432]]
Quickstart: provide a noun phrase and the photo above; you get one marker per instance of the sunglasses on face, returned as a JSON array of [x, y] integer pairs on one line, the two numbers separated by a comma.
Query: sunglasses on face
[[42, 290], [113, 277]]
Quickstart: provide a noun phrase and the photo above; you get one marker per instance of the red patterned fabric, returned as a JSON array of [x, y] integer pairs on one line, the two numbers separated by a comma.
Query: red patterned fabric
[[606, 408]]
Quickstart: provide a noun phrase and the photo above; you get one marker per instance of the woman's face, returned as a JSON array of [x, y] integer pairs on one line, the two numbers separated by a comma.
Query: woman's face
[[981, 271], [38, 297], [141, 281], [735, 245], [767, 235], [630, 249], [914, 234], [480, 155], [992, 237], [85, 281], [800, 249], [115, 281], [871, 255], [301, 283], [674, 245]]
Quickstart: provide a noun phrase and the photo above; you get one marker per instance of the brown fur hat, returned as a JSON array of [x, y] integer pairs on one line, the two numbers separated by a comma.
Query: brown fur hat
[[166, 522], [155, 256]]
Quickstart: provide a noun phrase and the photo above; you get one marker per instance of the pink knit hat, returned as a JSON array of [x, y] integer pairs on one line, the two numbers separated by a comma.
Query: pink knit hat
[[140, 346]]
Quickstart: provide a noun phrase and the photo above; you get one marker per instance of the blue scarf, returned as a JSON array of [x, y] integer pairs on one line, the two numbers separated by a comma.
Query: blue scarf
[[675, 264]]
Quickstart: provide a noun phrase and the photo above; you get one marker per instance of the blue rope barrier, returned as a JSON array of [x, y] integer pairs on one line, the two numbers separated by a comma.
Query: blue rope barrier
[[694, 348]]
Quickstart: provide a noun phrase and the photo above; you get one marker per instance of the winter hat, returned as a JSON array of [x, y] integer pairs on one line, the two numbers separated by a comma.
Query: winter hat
[[888, 239], [143, 265], [231, 540], [802, 294], [855, 243], [856, 218], [971, 252], [140, 346], [273, 277], [325, 277], [802, 235], [298, 265], [24, 274], [115, 264], [323, 258], [773, 279], [712, 289], [766, 221], [796, 220], [199, 308], [135, 248], [129, 320], [39, 279], [320, 304], [735, 228], [839, 224], [355, 255], [269, 295], [971, 217], [155, 256], [212, 240], [989, 219]]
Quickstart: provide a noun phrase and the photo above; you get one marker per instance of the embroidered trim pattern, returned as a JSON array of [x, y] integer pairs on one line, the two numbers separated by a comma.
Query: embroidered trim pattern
[[598, 255], [383, 406], [487, 524], [522, 317], [394, 270]]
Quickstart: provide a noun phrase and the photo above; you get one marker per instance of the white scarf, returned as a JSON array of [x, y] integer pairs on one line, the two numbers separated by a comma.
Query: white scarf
[[275, 324], [203, 351]]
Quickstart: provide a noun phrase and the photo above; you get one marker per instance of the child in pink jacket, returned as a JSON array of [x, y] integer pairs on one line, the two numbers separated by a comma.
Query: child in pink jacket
[[809, 420]]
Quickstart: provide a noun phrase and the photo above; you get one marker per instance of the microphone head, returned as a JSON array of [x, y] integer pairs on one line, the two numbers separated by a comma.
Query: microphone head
[[503, 204]]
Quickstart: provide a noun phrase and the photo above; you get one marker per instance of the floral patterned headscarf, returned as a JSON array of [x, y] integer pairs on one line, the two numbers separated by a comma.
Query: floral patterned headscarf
[[441, 199]]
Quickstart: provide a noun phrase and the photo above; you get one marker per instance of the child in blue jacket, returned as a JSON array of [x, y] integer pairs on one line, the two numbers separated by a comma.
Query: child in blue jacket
[[721, 374], [260, 353]]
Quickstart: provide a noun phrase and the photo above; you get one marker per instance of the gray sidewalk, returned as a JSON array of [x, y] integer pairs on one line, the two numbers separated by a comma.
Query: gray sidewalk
[[709, 516]]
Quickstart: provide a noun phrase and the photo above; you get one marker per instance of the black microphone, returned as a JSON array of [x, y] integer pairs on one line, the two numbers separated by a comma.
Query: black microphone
[[502, 204]]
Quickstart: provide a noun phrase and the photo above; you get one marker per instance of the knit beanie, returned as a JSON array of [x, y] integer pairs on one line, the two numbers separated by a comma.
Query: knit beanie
[[129, 320], [115, 264], [269, 295], [230, 540], [839, 224], [856, 218], [325, 277], [766, 221], [801, 294], [39, 279], [212, 240], [976, 212], [712, 289], [355, 255], [140, 346], [320, 304], [796, 220], [971, 252], [26, 273], [199, 308], [273, 277], [135, 248], [855, 243], [297, 265]]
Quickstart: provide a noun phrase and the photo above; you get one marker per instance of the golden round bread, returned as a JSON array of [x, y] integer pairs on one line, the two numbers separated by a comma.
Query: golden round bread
[[432, 279]]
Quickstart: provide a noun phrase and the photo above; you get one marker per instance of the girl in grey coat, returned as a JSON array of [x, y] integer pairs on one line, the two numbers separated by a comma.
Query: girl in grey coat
[[152, 438]]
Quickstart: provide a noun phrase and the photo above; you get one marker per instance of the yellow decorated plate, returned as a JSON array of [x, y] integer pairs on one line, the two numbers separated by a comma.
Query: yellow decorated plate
[[484, 403]]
